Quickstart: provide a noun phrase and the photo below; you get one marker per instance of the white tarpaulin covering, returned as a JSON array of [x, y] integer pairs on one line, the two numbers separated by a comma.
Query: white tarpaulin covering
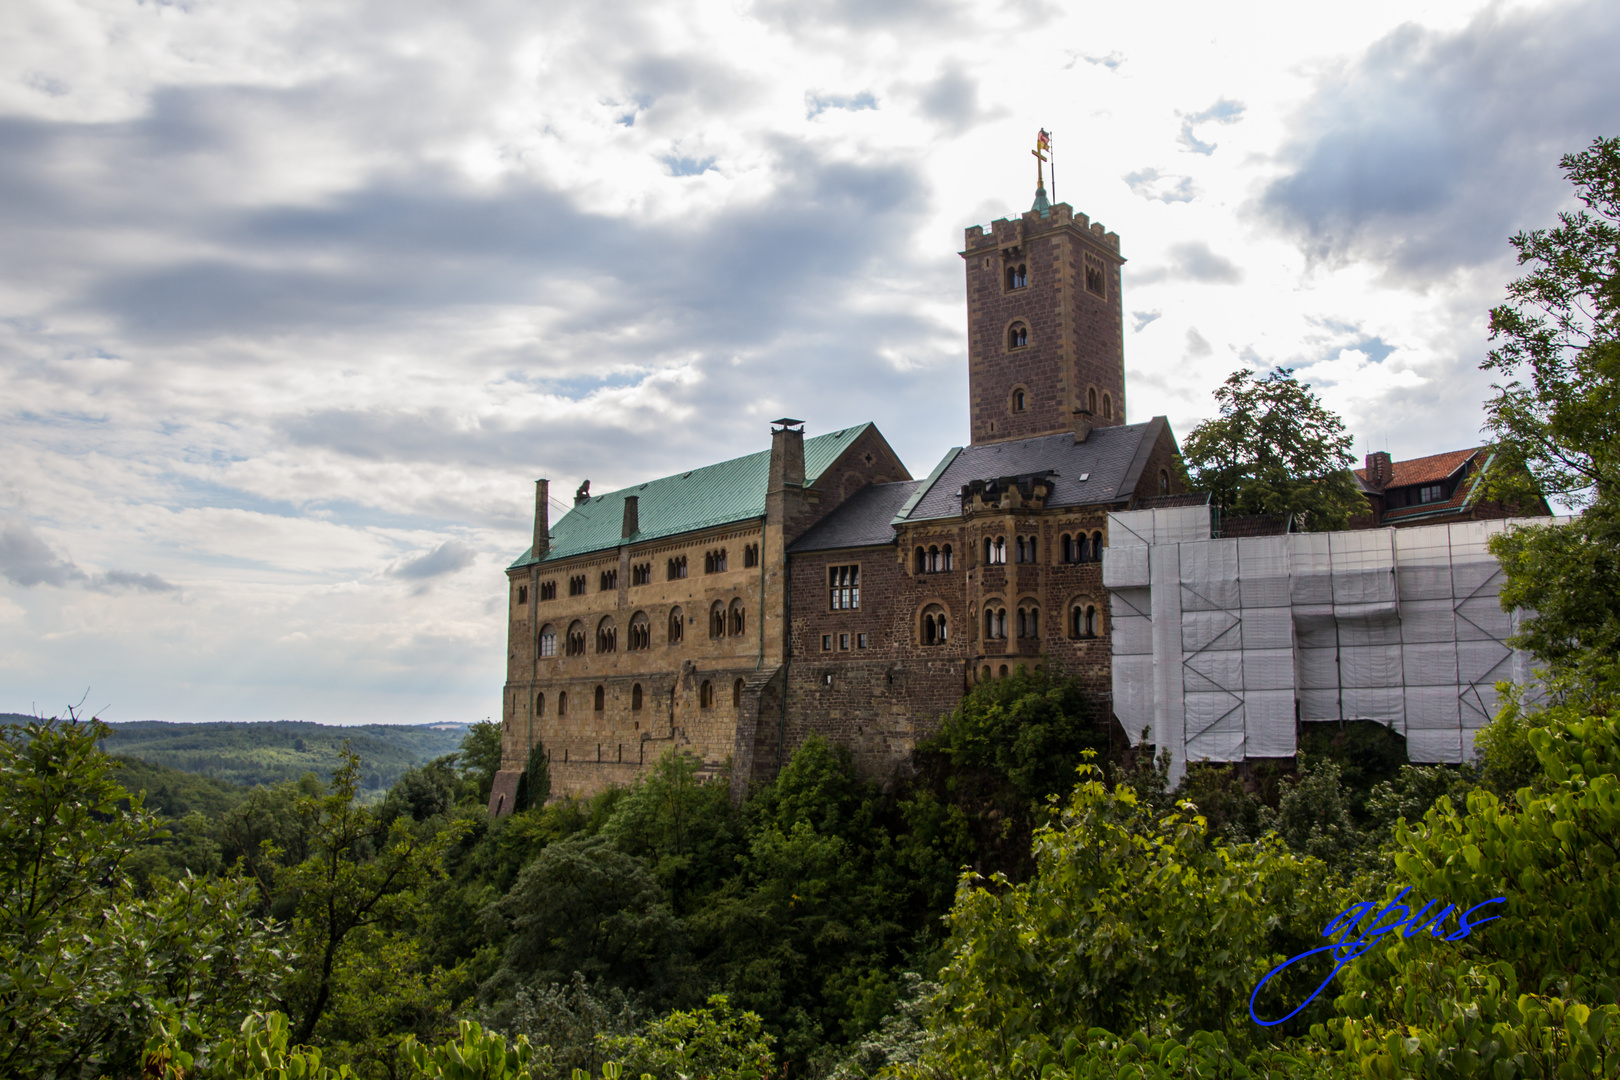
[[1221, 645]]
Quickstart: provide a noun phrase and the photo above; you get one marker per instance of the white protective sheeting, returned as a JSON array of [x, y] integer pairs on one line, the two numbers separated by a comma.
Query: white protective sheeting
[[1222, 645]]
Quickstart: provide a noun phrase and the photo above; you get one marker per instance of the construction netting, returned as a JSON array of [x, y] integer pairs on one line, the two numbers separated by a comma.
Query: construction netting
[[1221, 645]]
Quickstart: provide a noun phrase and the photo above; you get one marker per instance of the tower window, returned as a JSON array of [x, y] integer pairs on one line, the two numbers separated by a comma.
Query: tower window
[[523, 594], [1017, 276], [1094, 278], [1108, 407], [1091, 400], [548, 640], [1017, 406], [1017, 336]]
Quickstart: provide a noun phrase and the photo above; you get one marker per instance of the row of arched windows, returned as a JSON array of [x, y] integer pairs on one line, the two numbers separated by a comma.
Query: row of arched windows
[[1081, 547], [637, 698], [1107, 412], [610, 580], [1072, 548], [935, 559], [724, 621], [714, 562]]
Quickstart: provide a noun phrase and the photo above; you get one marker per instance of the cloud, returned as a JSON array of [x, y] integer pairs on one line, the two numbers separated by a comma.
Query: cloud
[[1111, 61], [118, 580], [1171, 188], [1193, 260], [1222, 112], [26, 559], [447, 558], [952, 98], [816, 104], [1143, 318], [1196, 344], [1432, 148]]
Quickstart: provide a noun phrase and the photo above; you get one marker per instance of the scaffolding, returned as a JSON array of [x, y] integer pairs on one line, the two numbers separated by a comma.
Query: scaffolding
[[1220, 646]]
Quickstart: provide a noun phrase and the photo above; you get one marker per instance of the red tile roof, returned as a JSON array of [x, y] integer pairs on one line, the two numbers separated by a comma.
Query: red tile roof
[[1425, 470]]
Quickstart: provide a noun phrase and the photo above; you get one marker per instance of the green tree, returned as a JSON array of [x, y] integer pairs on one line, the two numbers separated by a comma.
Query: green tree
[[1275, 449], [480, 757], [717, 1041], [88, 965], [1568, 576], [534, 783], [685, 829], [1561, 429], [356, 873]]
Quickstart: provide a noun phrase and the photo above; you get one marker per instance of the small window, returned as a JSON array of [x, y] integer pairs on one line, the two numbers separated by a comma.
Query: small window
[[826, 643], [575, 645], [844, 588], [562, 704], [548, 640], [945, 557], [860, 641], [1096, 546], [706, 695], [1017, 336], [995, 550], [1095, 283], [826, 678], [641, 574], [677, 568], [601, 698], [610, 580], [1066, 549], [677, 625], [523, 594], [548, 590], [1091, 400], [934, 630], [539, 704], [714, 562], [1432, 493], [635, 696], [843, 642], [750, 555], [1164, 482], [640, 632], [576, 585], [736, 619], [1018, 401], [607, 636], [922, 561], [717, 619], [1017, 276], [736, 694], [1108, 407]]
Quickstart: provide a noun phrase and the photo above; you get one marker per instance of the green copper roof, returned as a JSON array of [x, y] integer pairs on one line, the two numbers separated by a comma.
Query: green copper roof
[[713, 495], [1043, 205]]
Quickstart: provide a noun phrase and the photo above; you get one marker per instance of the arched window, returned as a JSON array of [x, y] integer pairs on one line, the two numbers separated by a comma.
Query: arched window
[[562, 704], [607, 635], [677, 625], [1018, 542], [945, 557], [1164, 482], [736, 694], [1029, 550], [1017, 336], [1108, 407], [1034, 622], [1023, 630], [575, 645], [706, 695], [1018, 401], [1001, 550], [601, 698], [717, 620], [548, 640], [989, 550], [1091, 621], [1091, 400], [1017, 276], [1083, 549], [677, 568], [934, 629], [1003, 671], [995, 622], [922, 561], [635, 696], [523, 594], [750, 555], [736, 619], [640, 632], [1096, 546], [539, 704]]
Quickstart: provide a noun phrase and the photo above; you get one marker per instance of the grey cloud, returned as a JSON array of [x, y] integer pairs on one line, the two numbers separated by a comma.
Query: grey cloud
[[118, 580], [1111, 61], [1433, 148], [1151, 184], [447, 558], [1192, 260], [1197, 345], [808, 16], [26, 559], [816, 104], [1143, 318], [1222, 112], [952, 98]]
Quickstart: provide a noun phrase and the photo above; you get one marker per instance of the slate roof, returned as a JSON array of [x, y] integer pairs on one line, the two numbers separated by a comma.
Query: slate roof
[[1111, 459], [712, 495], [863, 520]]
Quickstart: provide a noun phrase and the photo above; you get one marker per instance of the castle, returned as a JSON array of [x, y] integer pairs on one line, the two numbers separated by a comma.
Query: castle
[[817, 587]]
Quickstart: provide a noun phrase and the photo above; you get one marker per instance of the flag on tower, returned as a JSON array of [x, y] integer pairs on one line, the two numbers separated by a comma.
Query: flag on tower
[[1043, 141]]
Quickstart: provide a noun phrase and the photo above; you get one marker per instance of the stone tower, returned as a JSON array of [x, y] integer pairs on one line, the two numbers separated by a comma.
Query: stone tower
[[1045, 323]]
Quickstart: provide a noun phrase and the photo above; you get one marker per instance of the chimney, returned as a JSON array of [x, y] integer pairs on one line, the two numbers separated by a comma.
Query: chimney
[[787, 454], [632, 517], [1380, 470], [542, 519], [583, 493], [1082, 425]]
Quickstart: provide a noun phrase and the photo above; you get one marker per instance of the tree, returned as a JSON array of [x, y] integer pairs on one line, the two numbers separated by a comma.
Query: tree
[[480, 756], [1561, 325], [88, 965], [534, 783], [1275, 449], [357, 873]]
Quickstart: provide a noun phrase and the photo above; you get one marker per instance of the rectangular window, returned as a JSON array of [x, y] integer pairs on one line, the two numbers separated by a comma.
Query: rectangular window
[[860, 641], [843, 642], [843, 588], [1432, 493], [826, 643]]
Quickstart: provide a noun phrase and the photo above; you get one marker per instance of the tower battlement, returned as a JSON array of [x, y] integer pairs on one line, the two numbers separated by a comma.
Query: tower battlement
[[1032, 223]]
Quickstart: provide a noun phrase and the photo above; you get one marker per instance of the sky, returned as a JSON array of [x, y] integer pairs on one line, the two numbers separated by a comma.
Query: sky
[[298, 299]]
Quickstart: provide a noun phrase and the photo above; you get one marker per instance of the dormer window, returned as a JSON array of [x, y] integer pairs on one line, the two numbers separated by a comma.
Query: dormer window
[[1017, 276], [1429, 493], [1017, 336]]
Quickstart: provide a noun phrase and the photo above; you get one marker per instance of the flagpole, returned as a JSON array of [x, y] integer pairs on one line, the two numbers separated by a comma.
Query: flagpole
[[1051, 159]]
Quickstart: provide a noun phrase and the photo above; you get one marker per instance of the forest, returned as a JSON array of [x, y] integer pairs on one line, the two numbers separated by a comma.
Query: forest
[[1014, 904]]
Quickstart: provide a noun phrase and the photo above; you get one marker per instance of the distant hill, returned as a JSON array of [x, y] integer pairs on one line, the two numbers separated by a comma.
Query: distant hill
[[270, 752], [175, 794]]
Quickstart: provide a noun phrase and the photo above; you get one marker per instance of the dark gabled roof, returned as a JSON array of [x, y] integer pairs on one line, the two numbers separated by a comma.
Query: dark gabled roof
[[712, 495], [1111, 459], [862, 520]]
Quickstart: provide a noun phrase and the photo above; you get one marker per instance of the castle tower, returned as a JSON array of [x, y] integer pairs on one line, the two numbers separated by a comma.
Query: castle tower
[[1045, 323]]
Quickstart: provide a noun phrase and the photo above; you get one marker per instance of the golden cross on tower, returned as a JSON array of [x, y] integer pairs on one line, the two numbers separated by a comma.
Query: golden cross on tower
[[1043, 142]]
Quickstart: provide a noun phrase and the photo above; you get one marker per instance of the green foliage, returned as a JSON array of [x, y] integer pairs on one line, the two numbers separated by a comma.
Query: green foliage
[[476, 1055], [570, 1021], [87, 965], [1275, 449], [261, 1052], [269, 753], [480, 758], [1569, 576], [534, 783], [1561, 432], [717, 1041], [1313, 818], [421, 793], [684, 829]]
